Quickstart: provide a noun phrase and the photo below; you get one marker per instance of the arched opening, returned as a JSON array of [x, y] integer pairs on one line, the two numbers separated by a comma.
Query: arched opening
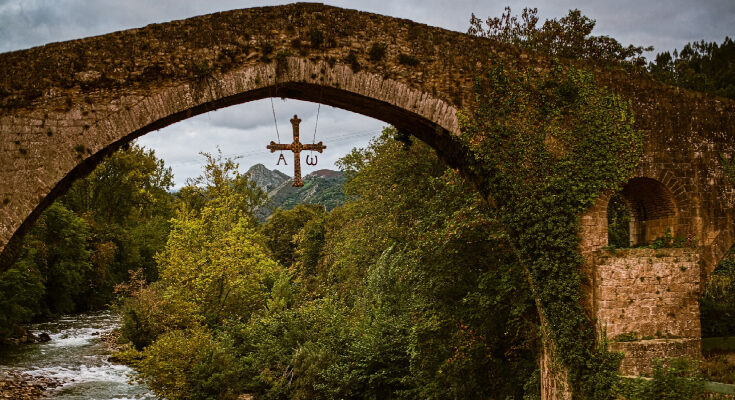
[[618, 222], [652, 211], [430, 119], [384, 282]]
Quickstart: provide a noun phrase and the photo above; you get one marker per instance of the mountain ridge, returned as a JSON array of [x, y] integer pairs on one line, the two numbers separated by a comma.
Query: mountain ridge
[[323, 187]]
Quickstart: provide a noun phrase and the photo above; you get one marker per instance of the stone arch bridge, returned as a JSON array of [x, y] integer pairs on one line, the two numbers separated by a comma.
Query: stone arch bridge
[[64, 106]]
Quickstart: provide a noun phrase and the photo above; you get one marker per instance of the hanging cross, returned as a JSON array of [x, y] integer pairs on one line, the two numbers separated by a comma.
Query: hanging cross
[[296, 147]]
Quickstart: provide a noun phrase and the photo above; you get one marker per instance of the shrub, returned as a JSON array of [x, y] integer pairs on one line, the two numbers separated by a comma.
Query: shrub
[[316, 37], [409, 60], [377, 51], [353, 61], [675, 379], [147, 314], [717, 303], [191, 364]]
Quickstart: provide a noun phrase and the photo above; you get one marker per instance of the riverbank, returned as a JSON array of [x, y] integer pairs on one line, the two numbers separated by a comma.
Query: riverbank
[[20, 386], [73, 365]]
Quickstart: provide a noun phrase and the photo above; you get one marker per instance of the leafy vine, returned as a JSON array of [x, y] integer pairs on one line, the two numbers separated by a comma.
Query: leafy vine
[[545, 144]]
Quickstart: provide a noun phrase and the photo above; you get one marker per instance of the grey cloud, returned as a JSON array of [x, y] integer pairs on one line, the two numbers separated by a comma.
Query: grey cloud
[[243, 131]]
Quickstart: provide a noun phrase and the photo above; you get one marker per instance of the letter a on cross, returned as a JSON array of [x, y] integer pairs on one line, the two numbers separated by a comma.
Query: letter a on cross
[[296, 147], [281, 158]]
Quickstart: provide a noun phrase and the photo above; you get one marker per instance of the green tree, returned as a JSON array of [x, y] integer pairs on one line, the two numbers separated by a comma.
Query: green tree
[[568, 37], [434, 258], [21, 296], [60, 239], [217, 262], [191, 364], [702, 66], [409, 271], [310, 241], [214, 256], [81, 246], [126, 201], [221, 180], [215, 272], [283, 225], [51, 275], [129, 185]]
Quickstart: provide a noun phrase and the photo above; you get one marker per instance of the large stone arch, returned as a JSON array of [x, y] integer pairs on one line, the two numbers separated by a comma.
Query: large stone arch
[[418, 113], [64, 105]]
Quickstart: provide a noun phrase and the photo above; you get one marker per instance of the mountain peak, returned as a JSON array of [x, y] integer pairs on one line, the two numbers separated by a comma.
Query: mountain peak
[[265, 178]]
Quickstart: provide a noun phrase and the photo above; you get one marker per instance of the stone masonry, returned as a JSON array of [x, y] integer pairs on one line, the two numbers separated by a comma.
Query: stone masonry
[[645, 301]]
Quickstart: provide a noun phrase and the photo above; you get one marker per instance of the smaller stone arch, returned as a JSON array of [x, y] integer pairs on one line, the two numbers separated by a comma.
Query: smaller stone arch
[[653, 210]]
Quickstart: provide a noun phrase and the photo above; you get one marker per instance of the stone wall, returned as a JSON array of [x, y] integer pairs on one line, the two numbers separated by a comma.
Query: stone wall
[[645, 301], [639, 355]]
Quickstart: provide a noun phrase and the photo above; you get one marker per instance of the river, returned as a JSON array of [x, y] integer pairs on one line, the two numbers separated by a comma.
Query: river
[[77, 356]]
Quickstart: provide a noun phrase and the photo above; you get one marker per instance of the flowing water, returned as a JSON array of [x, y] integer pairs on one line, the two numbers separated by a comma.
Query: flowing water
[[77, 356]]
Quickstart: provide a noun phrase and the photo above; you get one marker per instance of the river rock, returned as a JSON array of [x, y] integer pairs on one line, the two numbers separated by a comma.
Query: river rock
[[28, 338], [44, 337], [20, 386]]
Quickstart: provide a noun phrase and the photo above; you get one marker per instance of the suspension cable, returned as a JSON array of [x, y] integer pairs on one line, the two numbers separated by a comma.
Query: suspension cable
[[313, 139], [278, 135]]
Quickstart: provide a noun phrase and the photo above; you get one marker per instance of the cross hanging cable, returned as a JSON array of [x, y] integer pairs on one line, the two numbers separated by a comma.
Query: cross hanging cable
[[313, 139], [278, 135]]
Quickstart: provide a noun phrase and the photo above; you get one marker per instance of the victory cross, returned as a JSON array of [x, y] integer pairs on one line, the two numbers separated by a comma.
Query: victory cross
[[296, 147]]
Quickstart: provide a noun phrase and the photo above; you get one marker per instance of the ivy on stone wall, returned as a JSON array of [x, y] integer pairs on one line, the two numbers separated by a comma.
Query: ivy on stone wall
[[546, 142]]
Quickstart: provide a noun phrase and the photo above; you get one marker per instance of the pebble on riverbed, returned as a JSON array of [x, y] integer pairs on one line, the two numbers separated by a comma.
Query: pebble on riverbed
[[19, 386]]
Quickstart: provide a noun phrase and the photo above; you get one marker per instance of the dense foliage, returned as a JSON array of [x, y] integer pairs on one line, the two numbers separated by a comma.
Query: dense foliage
[[546, 146], [618, 223], [388, 296], [282, 226], [568, 37], [82, 245], [706, 67], [674, 379], [702, 66], [717, 302], [419, 286]]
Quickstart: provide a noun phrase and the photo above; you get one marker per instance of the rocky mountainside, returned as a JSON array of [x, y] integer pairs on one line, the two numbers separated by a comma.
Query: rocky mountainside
[[266, 179], [320, 187]]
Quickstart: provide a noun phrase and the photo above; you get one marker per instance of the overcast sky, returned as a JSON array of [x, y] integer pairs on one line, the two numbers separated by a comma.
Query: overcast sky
[[244, 130]]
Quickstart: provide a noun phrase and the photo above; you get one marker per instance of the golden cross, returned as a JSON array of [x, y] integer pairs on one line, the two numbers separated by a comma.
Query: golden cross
[[296, 147]]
